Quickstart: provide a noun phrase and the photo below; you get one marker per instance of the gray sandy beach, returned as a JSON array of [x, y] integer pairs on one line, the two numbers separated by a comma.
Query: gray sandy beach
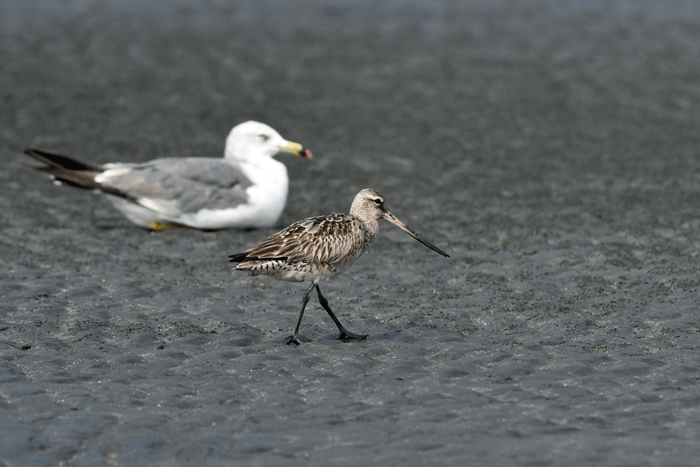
[[551, 148]]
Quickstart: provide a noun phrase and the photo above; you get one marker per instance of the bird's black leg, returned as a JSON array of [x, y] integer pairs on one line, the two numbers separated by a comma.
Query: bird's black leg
[[293, 338], [344, 333]]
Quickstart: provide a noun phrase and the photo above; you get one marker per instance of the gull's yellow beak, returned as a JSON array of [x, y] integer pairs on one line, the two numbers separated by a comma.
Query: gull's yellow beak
[[296, 149]]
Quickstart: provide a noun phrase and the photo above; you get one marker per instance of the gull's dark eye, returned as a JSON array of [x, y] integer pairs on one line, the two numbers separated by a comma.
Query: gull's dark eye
[[263, 137]]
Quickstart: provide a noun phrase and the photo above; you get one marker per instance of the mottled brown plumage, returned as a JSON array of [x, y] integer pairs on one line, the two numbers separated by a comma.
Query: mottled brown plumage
[[323, 246]]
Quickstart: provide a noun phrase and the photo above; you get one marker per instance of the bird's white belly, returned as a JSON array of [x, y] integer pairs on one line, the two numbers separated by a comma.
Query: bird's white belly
[[267, 197], [136, 213], [258, 212]]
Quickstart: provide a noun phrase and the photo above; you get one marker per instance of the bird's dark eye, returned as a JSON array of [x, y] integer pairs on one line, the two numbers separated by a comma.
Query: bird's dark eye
[[378, 202], [263, 137]]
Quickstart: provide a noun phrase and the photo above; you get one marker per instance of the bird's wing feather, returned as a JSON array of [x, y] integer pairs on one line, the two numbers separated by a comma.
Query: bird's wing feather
[[323, 240], [59, 161], [70, 171], [180, 186]]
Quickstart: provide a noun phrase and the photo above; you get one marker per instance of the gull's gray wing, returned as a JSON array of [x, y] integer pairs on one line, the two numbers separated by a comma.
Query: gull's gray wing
[[176, 186]]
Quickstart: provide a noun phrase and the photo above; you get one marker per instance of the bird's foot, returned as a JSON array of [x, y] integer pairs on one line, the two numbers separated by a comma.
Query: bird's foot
[[292, 340], [347, 335]]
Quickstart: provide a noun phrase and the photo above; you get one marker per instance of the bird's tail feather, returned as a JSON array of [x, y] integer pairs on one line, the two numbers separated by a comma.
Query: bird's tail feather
[[63, 162], [70, 171]]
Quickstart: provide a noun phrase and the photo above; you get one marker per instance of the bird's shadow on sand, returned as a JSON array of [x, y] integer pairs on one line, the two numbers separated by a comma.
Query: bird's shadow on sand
[[106, 227], [334, 337]]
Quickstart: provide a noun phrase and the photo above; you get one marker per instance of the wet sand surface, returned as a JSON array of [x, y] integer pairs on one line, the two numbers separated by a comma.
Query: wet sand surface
[[550, 148]]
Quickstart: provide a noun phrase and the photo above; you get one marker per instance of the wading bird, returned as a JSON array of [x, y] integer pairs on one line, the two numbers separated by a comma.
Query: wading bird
[[323, 246]]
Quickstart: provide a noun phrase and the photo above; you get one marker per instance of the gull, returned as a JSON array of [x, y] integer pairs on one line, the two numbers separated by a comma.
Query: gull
[[245, 189], [323, 246]]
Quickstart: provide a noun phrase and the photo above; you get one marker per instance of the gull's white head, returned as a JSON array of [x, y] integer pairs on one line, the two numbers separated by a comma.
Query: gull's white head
[[250, 140]]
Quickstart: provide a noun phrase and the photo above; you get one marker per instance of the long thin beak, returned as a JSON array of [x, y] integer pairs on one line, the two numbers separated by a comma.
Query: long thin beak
[[394, 220], [296, 149]]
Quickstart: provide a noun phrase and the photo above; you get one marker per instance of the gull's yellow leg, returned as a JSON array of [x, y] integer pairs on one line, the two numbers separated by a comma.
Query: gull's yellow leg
[[159, 227]]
